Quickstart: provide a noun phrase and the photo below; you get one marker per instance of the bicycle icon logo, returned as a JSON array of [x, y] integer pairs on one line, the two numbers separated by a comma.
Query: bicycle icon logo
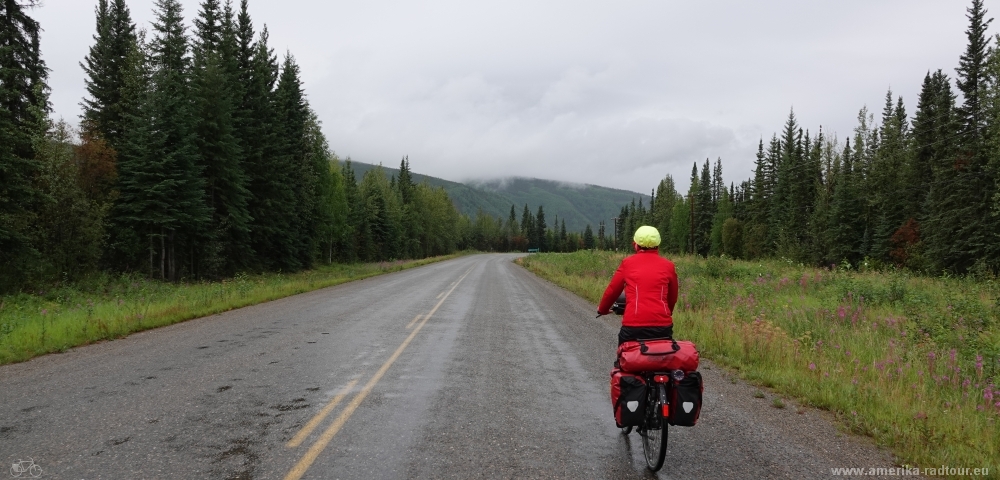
[[25, 466]]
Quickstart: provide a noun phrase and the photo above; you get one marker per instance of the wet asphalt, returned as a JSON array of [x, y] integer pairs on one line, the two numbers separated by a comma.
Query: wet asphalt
[[508, 378]]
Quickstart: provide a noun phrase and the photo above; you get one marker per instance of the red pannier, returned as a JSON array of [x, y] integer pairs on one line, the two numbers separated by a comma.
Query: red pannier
[[628, 397], [662, 355]]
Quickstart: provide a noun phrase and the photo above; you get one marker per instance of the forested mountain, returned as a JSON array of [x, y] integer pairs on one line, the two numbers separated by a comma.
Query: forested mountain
[[921, 192], [580, 205]]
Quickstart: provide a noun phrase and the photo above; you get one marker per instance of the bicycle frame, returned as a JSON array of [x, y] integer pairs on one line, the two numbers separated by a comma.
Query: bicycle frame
[[655, 424], [659, 384]]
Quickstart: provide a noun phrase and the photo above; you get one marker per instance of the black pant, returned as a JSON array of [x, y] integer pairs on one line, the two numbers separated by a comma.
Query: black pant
[[636, 333]]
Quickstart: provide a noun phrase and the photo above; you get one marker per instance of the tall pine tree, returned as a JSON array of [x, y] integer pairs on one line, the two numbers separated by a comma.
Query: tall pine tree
[[225, 247], [162, 191], [106, 65], [958, 221], [23, 109]]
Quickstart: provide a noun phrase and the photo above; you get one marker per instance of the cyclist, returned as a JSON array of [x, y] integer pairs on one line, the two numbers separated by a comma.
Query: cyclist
[[650, 285]]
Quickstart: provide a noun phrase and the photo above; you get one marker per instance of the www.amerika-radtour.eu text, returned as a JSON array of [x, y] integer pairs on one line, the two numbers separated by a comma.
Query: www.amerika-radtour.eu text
[[911, 471]]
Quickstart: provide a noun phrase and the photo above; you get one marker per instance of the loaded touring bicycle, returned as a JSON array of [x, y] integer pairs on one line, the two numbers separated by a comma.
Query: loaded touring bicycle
[[655, 384]]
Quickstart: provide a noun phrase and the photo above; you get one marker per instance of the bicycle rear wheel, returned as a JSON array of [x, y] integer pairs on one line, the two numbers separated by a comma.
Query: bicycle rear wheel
[[654, 430]]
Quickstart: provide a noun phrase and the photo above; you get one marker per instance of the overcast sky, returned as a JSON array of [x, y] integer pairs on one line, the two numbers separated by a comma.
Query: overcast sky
[[617, 94]]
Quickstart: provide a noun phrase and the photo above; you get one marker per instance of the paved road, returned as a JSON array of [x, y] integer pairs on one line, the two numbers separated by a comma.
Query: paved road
[[467, 368]]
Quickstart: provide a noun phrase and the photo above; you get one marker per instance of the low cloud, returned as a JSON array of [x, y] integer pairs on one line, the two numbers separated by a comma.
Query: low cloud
[[618, 95]]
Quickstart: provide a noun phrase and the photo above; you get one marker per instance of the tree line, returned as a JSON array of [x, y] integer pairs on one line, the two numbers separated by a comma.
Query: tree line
[[919, 192], [197, 156], [531, 233]]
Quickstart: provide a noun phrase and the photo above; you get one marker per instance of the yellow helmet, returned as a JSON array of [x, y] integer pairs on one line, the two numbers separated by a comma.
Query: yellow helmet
[[647, 237]]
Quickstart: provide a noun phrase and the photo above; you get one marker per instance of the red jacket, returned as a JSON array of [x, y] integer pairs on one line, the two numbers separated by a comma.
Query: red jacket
[[650, 284]]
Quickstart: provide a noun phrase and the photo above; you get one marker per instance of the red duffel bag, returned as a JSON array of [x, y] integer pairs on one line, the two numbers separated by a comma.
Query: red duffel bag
[[662, 355]]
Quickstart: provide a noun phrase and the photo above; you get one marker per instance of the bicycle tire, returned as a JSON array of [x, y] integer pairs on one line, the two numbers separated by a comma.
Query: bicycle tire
[[654, 430], [627, 430]]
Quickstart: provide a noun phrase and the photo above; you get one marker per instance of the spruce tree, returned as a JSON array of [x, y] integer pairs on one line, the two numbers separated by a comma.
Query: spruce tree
[[228, 237], [866, 141], [541, 230], [528, 227], [355, 217], [666, 198], [513, 229], [958, 226], [991, 100], [704, 213], [162, 192], [935, 127], [884, 181], [105, 113], [406, 185], [755, 231], [23, 109], [225, 245], [772, 225], [270, 204], [294, 158], [321, 218], [785, 213], [846, 206]]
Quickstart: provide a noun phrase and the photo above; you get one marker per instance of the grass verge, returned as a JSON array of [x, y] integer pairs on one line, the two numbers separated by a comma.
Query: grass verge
[[912, 362], [106, 307]]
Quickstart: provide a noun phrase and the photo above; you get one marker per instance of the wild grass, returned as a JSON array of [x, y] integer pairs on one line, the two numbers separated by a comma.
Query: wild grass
[[912, 362], [105, 307]]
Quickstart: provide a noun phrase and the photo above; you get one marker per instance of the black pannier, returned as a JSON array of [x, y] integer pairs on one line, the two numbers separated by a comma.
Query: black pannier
[[685, 400], [628, 396]]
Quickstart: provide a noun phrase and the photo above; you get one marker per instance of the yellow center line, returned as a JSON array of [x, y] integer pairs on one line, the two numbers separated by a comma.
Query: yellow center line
[[307, 460], [306, 430], [415, 320]]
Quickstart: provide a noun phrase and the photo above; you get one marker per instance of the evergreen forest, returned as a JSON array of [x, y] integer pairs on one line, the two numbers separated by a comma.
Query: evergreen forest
[[198, 157], [920, 192]]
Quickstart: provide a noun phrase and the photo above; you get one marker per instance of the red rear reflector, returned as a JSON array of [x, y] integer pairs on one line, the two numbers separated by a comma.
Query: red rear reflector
[[666, 409], [661, 378]]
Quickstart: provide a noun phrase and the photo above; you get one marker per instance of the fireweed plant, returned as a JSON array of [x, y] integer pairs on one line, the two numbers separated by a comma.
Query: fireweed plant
[[913, 362]]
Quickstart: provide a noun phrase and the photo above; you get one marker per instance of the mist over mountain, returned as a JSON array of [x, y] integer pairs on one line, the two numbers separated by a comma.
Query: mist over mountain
[[577, 204]]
